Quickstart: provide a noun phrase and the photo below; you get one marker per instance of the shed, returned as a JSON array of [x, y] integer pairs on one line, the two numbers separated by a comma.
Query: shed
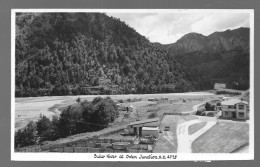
[[150, 131], [136, 127]]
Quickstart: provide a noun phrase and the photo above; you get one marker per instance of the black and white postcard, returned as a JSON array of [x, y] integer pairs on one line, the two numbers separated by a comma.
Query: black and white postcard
[[132, 84]]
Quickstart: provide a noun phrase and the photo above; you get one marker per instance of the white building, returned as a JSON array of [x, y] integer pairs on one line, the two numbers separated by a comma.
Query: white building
[[235, 108], [219, 86], [150, 131]]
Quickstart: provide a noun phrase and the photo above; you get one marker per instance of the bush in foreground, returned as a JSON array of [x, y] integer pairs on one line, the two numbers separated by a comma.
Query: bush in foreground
[[84, 117]]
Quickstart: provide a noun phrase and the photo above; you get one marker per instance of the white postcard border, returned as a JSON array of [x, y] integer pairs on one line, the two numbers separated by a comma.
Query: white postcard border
[[91, 156]]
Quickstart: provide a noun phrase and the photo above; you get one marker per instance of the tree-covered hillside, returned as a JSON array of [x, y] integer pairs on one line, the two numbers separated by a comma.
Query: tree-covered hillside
[[91, 53], [221, 56]]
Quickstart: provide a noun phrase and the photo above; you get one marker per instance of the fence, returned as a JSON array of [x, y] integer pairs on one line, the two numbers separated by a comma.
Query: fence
[[120, 130], [99, 150], [91, 147]]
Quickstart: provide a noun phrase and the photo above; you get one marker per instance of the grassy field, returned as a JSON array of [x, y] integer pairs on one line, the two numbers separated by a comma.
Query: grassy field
[[144, 108], [195, 127], [222, 138]]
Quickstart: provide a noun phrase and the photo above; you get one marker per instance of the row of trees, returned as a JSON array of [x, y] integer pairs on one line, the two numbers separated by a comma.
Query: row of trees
[[84, 117]]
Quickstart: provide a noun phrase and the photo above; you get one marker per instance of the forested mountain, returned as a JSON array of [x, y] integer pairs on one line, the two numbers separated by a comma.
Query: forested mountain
[[91, 53], [221, 56]]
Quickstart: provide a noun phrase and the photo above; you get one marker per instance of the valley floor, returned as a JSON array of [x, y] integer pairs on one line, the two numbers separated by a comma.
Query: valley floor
[[187, 134], [29, 108]]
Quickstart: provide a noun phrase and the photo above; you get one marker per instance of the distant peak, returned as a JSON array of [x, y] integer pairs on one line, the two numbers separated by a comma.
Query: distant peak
[[193, 34]]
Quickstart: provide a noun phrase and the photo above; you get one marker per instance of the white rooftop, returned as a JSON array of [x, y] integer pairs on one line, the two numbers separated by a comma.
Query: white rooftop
[[232, 102], [150, 128]]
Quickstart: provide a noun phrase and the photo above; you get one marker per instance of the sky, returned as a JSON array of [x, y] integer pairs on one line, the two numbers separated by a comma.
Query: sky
[[169, 27]]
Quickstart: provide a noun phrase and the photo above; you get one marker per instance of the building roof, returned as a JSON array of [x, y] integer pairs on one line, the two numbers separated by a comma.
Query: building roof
[[150, 128], [121, 143], [151, 124], [232, 102], [145, 121], [226, 98], [220, 84]]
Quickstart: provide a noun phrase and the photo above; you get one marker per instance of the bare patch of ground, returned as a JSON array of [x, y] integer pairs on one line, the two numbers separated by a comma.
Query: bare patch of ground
[[29, 109]]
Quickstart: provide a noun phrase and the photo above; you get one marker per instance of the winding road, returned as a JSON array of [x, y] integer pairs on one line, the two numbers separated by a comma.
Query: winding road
[[185, 140]]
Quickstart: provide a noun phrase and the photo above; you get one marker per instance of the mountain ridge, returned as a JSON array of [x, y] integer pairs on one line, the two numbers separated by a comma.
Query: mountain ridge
[[215, 42], [220, 56]]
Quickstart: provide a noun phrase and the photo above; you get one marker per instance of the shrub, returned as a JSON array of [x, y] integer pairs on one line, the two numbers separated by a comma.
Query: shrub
[[210, 114], [228, 92], [209, 107], [152, 110], [44, 127], [78, 100], [153, 115], [27, 136], [199, 112], [121, 101], [218, 103]]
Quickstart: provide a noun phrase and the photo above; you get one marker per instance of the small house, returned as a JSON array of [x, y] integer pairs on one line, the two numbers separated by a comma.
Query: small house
[[235, 108], [148, 127]]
